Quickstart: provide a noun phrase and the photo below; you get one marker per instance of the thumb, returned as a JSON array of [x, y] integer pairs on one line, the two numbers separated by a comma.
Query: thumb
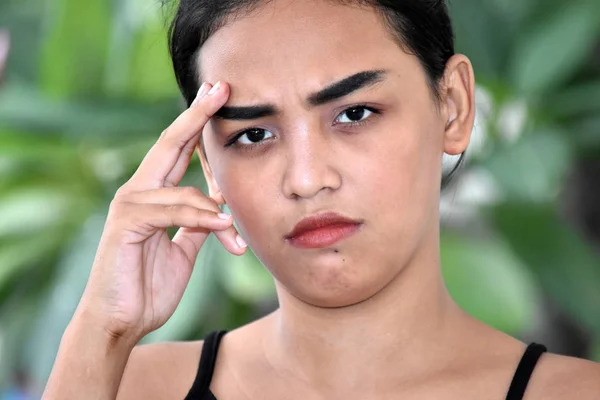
[[190, 240]]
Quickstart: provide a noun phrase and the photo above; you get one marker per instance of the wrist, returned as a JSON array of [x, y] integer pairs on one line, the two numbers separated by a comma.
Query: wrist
[[99, 330], [90, 360]]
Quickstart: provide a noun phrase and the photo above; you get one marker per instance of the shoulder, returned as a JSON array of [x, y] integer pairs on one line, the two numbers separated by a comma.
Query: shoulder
[[160, 370], [558, 377]]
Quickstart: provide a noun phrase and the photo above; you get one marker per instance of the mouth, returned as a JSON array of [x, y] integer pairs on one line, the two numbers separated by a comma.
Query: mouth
[[322, 230]]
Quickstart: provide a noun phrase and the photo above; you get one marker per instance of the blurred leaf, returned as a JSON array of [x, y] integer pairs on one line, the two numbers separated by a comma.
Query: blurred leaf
[[23, 109], [19, 146], [515, 13], [480, 33], [552, 53], [74, 54], [563, 263], [53, 315], [152, 75], [584, 133], [33, 209], [12, 332], [575, 100], [488, 282], [16, 254], [246, 279], [532, 168]]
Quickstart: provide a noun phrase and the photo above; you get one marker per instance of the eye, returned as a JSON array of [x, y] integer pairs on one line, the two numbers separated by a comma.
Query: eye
[[250, 137], [355, 115]]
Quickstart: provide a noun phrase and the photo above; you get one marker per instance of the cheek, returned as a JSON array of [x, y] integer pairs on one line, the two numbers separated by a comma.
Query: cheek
[[399, 179], [252, 204], [402, 164]]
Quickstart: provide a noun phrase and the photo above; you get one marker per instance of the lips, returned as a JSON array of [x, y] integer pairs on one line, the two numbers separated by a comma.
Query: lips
[[322, 230]]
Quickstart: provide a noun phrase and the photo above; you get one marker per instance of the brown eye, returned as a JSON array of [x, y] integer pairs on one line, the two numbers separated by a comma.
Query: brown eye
[[253, 136], [353, 115]]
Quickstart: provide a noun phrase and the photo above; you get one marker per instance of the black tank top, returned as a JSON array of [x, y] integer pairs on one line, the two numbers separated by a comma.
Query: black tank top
[[200, 389]]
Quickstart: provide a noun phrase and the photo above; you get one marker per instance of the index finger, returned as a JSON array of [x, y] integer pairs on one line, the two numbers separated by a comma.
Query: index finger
[[170, 155]]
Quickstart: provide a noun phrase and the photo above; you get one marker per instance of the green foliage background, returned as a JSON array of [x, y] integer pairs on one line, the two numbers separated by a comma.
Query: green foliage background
[[89, 87]]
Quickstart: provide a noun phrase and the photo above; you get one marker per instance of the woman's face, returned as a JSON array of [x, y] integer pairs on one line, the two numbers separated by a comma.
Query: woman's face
[[380, 164]]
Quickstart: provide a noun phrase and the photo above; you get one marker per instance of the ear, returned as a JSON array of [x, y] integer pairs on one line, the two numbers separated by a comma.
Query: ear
[[213, 189], [458, 101]]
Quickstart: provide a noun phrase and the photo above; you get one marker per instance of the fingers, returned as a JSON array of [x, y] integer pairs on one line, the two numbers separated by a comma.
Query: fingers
[[188, 238], [166, 162], [191, 240], [145, 219]]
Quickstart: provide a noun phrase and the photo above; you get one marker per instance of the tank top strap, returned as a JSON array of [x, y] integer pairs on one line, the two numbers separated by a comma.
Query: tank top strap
[[201, 387], [524, 370]]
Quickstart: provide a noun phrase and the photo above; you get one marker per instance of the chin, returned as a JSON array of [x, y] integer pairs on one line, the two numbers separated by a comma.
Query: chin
[[337, 299], [333, 285]]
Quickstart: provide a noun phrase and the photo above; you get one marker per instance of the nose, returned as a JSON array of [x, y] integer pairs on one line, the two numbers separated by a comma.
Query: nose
[[310, 166]]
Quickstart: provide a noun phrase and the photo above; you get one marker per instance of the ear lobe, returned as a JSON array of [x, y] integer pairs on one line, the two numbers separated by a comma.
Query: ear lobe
[[459, 104], [213, 189]]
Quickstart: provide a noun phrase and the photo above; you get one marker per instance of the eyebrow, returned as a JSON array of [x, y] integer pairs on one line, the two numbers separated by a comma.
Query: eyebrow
[[332, 92]]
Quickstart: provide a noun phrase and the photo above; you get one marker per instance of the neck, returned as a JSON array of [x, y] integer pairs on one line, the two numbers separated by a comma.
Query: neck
[[410, 323]]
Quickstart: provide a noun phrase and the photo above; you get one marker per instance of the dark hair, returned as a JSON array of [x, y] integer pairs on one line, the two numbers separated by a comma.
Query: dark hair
[[422, 27]]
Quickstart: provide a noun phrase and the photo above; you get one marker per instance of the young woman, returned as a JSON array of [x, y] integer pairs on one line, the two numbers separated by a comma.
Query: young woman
[[324, 132]]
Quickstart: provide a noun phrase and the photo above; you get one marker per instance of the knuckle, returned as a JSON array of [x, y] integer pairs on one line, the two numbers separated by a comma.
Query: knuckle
[[203, 110], [172, 209], [174, 142], [122, 191], [200, 213], [119, 210], [164, 134], [190, 191]]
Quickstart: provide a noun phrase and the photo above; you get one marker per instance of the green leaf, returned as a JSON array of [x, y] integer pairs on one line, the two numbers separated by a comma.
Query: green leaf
[[482, 35], [74, 54], [488, 282], [152, 76], [33, 209], [15, 255], [18, 146], [585, 135], [24, 109], [566, 267], [246, 279], [555, 50], [532, 168], [61, 298], [576, 100]]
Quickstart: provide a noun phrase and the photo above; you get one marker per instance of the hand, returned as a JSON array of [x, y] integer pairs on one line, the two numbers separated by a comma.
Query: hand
[[139, 273]]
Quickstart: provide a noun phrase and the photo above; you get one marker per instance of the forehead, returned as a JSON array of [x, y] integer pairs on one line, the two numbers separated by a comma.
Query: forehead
[[298, 44]]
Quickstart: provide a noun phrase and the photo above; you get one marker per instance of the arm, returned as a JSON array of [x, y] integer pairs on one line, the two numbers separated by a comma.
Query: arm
[[140, 273], [89, 364]]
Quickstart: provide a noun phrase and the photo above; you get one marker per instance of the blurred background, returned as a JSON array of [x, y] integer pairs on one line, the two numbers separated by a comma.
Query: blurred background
[[88, 87]]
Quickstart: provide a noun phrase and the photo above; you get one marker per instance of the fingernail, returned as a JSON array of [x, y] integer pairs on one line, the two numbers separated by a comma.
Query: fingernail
[[240, 241], [201, 92], [215, 89], [224, 216]]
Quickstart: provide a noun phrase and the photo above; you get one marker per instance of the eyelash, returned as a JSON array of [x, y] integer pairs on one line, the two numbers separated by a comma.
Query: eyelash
[[233, 140]]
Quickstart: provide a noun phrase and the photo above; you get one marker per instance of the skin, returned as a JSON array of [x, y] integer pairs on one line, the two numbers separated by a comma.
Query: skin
[[386, 273], [369, 317]]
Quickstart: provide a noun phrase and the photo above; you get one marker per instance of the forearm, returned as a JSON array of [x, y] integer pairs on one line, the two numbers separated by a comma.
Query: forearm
[[89, 364]]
